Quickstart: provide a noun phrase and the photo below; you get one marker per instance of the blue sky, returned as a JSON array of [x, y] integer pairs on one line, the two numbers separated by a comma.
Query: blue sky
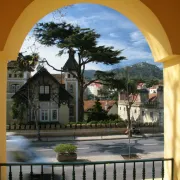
[[115, 29]]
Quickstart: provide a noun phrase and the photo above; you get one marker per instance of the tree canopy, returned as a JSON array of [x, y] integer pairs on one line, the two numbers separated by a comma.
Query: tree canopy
[[26, 62], [84, 41]]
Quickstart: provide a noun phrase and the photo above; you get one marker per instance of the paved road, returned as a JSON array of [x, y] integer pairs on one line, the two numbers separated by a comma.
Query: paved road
[[101, 147], [106, 147]]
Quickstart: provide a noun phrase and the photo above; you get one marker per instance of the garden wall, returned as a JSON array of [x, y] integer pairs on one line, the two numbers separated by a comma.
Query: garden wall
[[83, 131]]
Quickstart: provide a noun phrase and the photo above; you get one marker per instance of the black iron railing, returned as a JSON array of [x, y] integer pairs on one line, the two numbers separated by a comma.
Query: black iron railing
[[105, 170]]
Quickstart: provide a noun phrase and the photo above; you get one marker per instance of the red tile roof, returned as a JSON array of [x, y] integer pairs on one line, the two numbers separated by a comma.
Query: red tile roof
[[152, 97], [89, 104]]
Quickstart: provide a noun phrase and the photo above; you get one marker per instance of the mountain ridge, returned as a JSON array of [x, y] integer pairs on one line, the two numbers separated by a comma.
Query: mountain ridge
[[140, 70]]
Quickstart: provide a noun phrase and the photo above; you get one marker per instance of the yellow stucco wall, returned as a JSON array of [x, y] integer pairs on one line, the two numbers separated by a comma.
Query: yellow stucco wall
[[3, 79], [157, 20], [172, 112]]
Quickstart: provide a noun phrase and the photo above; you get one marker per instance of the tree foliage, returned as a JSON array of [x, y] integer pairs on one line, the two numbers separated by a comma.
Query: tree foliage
[[97, 113], [19, 107], [26, 62]]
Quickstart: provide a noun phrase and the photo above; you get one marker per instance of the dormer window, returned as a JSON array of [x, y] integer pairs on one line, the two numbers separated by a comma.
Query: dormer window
[[71, 88], [69, 75], [13, 88], [44, 93], [10, 75]]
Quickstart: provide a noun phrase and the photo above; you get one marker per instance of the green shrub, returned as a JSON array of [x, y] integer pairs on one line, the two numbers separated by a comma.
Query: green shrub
[[65, 148], [92, 122], [113, 116]]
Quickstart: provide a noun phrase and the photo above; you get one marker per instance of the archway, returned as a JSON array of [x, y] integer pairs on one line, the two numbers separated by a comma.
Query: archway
[[135, 10], [138, 13]]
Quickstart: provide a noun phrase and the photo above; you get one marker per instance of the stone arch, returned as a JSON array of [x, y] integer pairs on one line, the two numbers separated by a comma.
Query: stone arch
[[135, 10]]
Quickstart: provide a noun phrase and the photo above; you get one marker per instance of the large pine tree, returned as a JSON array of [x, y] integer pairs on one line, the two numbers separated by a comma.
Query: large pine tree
[[84, 41]]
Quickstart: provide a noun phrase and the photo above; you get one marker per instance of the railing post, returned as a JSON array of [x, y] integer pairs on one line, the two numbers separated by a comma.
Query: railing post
[[172, 169], [104, 176], [162, 170], [114, 171], [124, 172], [143, 172], [73, 174], [153, 171], [84, 172], [94, 172]]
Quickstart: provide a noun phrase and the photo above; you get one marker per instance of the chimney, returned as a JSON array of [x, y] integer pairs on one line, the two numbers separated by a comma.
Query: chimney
[[106, 106], [160, 96]]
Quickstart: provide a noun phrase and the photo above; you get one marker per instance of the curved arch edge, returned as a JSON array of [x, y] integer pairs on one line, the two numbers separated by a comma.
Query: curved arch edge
[[132, 9]]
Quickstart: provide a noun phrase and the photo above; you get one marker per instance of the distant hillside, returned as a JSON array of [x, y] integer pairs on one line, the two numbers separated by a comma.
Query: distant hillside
[[89, 73], [141, 70]]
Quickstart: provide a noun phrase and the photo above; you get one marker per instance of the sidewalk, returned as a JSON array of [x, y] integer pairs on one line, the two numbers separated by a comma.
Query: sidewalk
[[114, 157], [94, 138]]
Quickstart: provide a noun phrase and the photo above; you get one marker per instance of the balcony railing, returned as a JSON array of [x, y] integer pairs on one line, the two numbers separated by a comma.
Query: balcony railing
[[101, 170]]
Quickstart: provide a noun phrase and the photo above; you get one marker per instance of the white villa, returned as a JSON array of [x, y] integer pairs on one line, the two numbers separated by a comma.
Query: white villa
[[148, 107]]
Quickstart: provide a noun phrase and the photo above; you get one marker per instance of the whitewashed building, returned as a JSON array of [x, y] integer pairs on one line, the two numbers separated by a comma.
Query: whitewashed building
[[15, 80], [93, 89], [147, 108]]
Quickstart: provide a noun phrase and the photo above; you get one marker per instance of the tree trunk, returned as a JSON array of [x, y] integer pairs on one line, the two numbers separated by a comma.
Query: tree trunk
[[37, 126], [81, 104], [129, 120]]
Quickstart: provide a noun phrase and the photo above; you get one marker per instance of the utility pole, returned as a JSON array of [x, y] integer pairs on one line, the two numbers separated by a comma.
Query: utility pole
[[127, 108]]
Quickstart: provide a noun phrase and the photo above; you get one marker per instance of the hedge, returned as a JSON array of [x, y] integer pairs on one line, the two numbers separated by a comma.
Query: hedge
[[78, 125]]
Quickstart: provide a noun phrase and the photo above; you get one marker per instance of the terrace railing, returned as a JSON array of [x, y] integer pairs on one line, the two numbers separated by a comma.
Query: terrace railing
[[101, 170]]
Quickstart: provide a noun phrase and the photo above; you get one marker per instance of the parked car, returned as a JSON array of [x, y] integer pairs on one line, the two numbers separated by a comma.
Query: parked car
[[134, 130]]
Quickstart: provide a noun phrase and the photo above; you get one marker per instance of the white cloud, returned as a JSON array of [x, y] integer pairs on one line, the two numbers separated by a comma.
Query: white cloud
[[88, 20], [113, 35], [136, 35], [137, 38], [115, 43], [129, 50], [82, 21]]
